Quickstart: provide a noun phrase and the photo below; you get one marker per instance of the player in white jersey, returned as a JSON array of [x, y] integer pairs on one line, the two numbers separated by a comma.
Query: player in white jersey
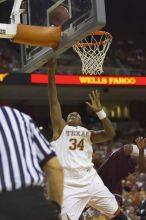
[[73, 144]]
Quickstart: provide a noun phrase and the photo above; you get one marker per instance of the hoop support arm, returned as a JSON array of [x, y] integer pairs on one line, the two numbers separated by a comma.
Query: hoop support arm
[[16, 11], [38, 35]]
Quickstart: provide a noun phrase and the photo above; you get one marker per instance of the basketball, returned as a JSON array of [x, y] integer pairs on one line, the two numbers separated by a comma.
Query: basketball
[[59, 15]]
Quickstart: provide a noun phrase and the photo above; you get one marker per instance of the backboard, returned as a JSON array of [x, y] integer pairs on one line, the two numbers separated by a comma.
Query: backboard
[[85, 16]]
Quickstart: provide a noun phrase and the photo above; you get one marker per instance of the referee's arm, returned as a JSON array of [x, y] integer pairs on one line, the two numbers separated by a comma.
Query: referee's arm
[[50, 163], [54, 176]]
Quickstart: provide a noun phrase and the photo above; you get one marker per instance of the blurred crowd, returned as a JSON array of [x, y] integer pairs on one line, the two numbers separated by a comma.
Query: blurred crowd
[[9, 57], [134, 192], [123, 58], [127, 57], [134, 186]]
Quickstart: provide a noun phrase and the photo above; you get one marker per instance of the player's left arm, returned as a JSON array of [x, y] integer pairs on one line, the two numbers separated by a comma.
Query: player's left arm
[[109, 132], [57, 120], [103, 135], [141, 143]]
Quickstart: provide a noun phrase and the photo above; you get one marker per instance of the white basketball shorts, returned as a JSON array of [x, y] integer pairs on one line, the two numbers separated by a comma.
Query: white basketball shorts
[[95, 194]]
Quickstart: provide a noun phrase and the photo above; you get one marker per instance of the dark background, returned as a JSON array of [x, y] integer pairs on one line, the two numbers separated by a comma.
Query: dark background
[[125, 18]]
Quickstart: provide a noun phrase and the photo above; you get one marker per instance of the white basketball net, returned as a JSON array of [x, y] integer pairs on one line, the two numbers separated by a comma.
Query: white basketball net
[[92, 51]]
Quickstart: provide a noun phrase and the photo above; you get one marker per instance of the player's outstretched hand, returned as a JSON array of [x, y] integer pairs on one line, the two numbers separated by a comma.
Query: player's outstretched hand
[[140, 142], [94, 103]]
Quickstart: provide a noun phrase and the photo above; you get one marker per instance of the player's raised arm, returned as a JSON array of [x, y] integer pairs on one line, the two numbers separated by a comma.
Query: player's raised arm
[[55, 109], [108, 133], [141, 143]]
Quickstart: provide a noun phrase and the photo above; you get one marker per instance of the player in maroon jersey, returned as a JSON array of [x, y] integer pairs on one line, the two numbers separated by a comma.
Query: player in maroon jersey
[[120, 164]]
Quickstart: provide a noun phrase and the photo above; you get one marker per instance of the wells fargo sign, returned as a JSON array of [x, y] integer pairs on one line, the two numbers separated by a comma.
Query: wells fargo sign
[[35, 78], [92, 80], [108, 80]]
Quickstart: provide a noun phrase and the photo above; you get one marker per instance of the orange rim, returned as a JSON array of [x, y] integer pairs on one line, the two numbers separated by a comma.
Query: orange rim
[[96, 33]]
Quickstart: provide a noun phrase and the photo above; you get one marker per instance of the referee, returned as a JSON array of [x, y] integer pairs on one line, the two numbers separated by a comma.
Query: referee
[[25, 157]]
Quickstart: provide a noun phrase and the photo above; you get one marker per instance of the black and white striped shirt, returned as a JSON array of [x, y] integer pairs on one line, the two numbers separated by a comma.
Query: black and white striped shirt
[[23, 149]]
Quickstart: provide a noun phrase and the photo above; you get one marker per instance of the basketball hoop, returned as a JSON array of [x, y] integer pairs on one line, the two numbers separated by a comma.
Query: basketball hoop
[[92, 51]]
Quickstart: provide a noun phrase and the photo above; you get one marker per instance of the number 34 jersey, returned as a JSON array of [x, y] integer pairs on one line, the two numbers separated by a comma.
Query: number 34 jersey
[[74, 148]]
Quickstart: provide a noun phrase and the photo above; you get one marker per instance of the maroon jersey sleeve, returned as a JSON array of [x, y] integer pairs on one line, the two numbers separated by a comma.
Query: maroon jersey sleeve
[[116, 168]]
